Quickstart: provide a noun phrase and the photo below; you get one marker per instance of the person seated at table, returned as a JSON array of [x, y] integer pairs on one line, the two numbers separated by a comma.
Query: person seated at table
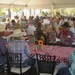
[[13, 23], [73, 26], [20, 46], [68, 70], [25, 37], [66, 36], [16, 18], [17, 25], [3, 49], [7, 23], [73, 30], [51, 35]]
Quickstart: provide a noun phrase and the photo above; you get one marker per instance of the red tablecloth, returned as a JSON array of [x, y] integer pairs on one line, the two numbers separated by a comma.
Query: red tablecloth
[[61, 53]]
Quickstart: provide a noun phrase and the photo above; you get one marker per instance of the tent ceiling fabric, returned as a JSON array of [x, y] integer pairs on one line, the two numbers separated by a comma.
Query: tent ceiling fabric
[[37, 4]]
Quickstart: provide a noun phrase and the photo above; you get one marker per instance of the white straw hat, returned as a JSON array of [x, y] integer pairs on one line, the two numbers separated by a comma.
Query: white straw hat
[[2, 28], [18, 33]]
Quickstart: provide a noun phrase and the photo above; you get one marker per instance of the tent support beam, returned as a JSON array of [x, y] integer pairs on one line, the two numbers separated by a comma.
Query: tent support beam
[[52, 9]]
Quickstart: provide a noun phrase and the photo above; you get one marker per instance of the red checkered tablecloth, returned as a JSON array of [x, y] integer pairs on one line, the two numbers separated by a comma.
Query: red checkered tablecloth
[[61, 53]]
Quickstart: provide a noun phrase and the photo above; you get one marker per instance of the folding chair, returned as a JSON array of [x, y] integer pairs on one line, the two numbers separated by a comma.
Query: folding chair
[[12, 60], [46, 64], [3, 65], [73, 44], [51, 38]]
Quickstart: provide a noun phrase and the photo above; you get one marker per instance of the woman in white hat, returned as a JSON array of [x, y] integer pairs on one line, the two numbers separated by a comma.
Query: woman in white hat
[[20, 46]]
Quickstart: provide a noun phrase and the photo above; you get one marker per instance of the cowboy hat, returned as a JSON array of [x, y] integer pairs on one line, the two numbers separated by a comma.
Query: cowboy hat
[[17, 26], [73, 19], [18, 33], [66, 25], [2, 28]]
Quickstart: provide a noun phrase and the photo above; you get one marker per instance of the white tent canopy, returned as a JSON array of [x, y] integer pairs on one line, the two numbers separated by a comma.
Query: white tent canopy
[[37, 4]]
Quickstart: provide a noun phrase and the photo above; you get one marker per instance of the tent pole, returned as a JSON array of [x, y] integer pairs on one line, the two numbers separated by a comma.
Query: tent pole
[[52, 10], [30, 11], [60, 11], [11, 8]]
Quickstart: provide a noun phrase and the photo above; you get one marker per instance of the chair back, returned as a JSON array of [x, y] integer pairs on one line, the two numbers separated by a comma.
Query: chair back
[[52, 37], [14, 60], [52, 34], [46, 64]]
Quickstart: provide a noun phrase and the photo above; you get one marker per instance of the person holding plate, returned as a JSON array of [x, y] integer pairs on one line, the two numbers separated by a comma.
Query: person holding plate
[[66, 36]]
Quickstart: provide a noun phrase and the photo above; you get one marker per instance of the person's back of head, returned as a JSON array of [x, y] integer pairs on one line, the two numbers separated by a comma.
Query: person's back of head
[[13, 21], [39, 24], [18, 26]]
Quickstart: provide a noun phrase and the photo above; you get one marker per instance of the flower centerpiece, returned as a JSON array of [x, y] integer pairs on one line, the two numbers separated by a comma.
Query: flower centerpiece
[[59, 28], [42, 38], [41, 42]]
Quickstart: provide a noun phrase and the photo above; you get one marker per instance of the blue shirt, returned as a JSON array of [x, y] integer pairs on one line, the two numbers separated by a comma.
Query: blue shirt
[[72, 60], [19, 46], [2, 46]]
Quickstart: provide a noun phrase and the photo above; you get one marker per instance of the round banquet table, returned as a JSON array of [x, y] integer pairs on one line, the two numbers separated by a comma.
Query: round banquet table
[[62, 53]]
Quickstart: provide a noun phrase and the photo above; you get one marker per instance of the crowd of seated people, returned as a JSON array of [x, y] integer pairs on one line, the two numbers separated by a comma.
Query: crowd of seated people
[[63, 27], [60, 27], [65, 35], [53, 25]]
